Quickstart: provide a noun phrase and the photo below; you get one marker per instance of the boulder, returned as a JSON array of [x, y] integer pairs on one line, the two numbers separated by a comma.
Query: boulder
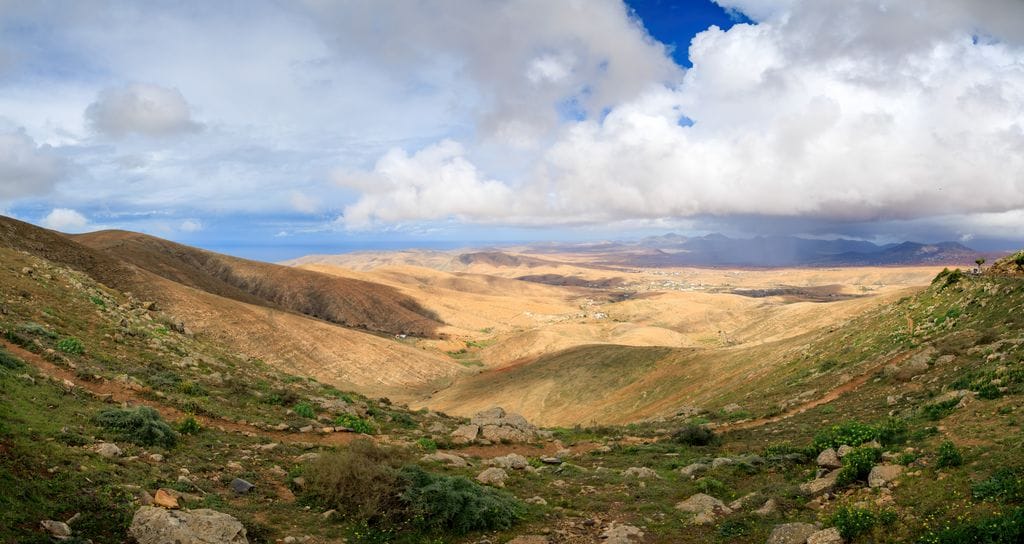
[[165, 499], [530, 539], [791, 533], [496, 425], [446, 458], [158, 526], [512, 461], [640, 473], [741, 502], [106, 449], [503, 433], [881, 475], [538, 500], [819, 486], [721, 462], [241, 486], [56, 529], [829, 459], [704, 507], [622, 534], [493, 476], [465, 434], [827, 536], [843, 450], [768, 508]]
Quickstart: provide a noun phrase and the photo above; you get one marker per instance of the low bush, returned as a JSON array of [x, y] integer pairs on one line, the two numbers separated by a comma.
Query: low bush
[[426, 444], [455, 504], [71, 346], [939, 410], [142, 425], [361, 481], [949, 455], [849, 433], [1005, 528], [9, 361], [695, 435], [853, 522], [355, 423], [857, 465], [1005, 485], [711, 486], [303, 409], [189, 425]]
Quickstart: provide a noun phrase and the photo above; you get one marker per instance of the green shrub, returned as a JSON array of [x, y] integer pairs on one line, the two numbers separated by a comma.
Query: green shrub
[[939, 410], [1005, 485], [9, 361], [893, 431], [361, 481], [403, 419], [455, 504], [426, 444], [142, 426], [857, 465], [303, 409], [71, 345], [948, 277], [1000, 529], [849, 433], [711, 486], [989, 391], [192, 389], [853, 522], [695, 435], [189, 425], [949, 455], [355, 423]]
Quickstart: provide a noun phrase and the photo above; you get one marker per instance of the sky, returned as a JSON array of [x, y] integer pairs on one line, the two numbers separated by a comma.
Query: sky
[[273, 129]]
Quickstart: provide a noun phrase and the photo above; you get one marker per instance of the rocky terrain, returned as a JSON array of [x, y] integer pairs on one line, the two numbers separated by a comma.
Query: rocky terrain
[[122, 420]]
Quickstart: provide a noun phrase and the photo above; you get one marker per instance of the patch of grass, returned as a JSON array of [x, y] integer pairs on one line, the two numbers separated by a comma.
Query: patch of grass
[[1004, 528], [9, 361], [355, 423], [142, 425], [854, 522], [848, 433], [695, 435], [426, 444], [949, 455], [71, 346], [1005, 485], [189, 425], [303, 409], [939, 410]]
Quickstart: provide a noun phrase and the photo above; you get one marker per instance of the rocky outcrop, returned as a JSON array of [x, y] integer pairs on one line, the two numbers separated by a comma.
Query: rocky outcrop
[[705, 508], [153, 525], [827, 536], [622, 534], [819, 486], [829, 459], [512, 461], [881, 475], [640, 473], [791, 533], [446, 458], [495, 425], [493, 476]]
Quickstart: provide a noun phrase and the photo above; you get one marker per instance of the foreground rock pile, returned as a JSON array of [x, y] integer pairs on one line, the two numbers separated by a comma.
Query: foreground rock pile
[[495, 426]]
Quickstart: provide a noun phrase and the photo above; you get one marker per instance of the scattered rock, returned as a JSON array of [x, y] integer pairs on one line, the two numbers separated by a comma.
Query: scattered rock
[[536, 500], [821, 485], [843, 450], [465, 434], [694, 469], [829, 459], [56, 529], [512, 461], [156, 458], [241, 486], [493, 476], [704, 507], [768, 508], [551, 460], [741, 502], [883, 474], [640, 473], [791, 533], [721, 462], [311, 456], [496, 425], [827, 536], [530, 539], [622, 534], [164, 498], [731, 408], [107, 449], [158, 526], [446, 458]]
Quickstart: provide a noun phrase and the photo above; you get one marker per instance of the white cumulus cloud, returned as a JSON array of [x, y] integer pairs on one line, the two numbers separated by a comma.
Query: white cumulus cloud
[[65, 220], [26, 168], [141, 108]]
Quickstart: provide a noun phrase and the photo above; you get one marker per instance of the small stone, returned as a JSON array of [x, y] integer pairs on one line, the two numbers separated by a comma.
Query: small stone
[[843, 450], [721, 462], [791, 533], [821, 485], [768, 508], [704, 507], [165, 499], [107, 449], [622, 534], [883, 474], [446, 458], [827, 536], [694, 469], [311, 456], [56, 529], [640, 473], [551, 460], [536, 500], [156, 457], [241, 486], [829, 459], [493, 476]]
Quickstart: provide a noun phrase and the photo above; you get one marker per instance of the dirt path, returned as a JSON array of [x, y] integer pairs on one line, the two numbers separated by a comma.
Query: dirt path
[[830, 396], [119, 393]]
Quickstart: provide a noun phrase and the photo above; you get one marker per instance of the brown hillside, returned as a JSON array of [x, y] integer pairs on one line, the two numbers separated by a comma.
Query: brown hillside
[[344, 301]]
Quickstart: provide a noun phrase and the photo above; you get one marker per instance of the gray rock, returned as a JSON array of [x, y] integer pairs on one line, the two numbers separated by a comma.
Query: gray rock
[[241, 486], [622, 534], [883, 474], [107, 449], [791, 533], [741, 502], [704, 507], [731, 408], [446, 458], [512, 461], [493, 476], [768, 508], [153, 525], [551, 460], [827, 536], [819, 486], [843, 450], [694, 469], [640, 473], [721, 462], [56, 529], [829, 459]]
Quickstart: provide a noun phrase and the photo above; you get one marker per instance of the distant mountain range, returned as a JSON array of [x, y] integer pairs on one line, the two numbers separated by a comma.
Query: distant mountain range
[[773, 251]]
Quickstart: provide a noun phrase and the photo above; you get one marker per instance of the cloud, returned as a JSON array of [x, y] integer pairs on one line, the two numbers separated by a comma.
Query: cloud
[[26, 168], [140, 108], [844, 111], [434, 182], [65, 220], [303, 203], [191, 225]]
